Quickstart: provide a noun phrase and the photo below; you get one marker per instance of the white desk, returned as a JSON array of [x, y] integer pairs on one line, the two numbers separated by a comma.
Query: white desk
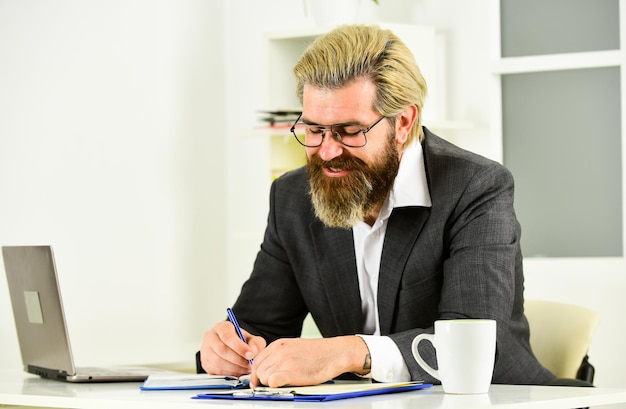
[[20, 389]]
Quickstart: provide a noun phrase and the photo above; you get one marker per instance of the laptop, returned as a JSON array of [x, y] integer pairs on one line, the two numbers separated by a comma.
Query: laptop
[[40, 321]]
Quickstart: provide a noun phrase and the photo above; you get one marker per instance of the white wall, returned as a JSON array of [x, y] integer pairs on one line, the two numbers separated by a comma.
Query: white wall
[[112, 149], [246, 24]]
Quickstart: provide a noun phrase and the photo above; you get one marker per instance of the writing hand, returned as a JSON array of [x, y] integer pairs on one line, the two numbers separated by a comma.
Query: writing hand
[[298, 362], [222, 351]]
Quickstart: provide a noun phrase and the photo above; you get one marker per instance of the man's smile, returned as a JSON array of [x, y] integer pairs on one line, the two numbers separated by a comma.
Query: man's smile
[[334, 172]]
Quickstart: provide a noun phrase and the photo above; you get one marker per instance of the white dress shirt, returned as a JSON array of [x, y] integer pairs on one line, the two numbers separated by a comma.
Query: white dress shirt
[[410, 188]]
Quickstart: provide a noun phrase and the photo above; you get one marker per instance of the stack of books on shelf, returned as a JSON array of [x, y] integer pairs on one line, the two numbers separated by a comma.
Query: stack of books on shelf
[[280, 117]]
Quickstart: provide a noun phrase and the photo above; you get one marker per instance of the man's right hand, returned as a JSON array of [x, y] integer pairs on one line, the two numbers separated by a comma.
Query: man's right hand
[[224, 353]]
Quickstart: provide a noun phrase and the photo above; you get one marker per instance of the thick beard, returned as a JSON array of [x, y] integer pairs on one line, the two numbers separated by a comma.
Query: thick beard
[[344, 201]]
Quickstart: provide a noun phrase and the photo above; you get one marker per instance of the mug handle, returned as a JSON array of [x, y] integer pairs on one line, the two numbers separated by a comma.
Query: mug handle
[[416, 354]]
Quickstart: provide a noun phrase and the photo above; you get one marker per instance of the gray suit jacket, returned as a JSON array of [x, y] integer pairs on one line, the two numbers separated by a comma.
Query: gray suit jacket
[[459, 259]]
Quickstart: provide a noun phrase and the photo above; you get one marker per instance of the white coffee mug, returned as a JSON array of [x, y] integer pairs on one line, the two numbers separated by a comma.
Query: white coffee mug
[[466, 350]]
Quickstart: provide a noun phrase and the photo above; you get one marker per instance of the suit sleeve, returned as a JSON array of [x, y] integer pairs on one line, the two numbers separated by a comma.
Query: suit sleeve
[[482, 274]]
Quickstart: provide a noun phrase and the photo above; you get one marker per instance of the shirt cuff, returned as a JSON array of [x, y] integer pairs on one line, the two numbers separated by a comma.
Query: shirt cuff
[[387, 362]]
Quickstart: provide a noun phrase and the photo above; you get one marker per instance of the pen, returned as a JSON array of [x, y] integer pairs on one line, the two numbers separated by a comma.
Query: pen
[[233, 319]]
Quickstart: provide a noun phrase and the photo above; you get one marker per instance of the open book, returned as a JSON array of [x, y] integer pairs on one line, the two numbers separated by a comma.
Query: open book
[[194, 381]]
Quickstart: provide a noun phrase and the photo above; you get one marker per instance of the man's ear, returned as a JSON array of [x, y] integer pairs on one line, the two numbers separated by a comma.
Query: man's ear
[[404, 123]]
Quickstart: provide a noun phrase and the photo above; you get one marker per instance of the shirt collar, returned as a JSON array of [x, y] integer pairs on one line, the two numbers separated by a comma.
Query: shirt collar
[[410, 187]]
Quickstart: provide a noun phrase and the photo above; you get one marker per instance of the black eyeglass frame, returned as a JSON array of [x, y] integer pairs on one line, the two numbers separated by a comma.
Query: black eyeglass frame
[[324, 128]]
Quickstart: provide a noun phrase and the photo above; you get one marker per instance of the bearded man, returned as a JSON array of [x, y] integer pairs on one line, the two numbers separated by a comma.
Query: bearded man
[[385, 230]]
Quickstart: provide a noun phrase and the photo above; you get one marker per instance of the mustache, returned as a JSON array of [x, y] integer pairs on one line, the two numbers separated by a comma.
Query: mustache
[[340, 162]]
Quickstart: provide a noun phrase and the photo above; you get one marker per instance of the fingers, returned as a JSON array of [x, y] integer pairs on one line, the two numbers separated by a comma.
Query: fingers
[[262, 368], [280, 364], [297, 361], [266, 372], [254, 380], [222, 352], [256, 344], [272, 380], [218, 358]]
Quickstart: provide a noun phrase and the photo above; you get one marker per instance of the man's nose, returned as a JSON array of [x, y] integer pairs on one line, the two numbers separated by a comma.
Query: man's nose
[[330, 147]]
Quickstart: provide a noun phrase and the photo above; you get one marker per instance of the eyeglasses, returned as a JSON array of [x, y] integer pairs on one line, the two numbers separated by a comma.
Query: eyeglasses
[[349, 134]]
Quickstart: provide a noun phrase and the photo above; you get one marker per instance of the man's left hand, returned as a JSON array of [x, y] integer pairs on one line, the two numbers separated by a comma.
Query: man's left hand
[[298, 361]]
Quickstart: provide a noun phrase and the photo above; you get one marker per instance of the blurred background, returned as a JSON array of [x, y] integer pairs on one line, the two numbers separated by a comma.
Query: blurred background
[[131, 141]]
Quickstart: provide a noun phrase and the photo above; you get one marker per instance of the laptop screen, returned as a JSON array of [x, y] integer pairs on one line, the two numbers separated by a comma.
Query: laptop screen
[[37, 309]]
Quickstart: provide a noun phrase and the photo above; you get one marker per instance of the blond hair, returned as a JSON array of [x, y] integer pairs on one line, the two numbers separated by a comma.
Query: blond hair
[[357, 51]]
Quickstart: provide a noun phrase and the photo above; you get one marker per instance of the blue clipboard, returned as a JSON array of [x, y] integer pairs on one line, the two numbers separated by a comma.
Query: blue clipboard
[[294, 396]]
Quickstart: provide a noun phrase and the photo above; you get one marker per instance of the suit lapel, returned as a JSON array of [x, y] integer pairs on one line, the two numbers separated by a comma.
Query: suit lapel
[[334, 250], [403, 229]]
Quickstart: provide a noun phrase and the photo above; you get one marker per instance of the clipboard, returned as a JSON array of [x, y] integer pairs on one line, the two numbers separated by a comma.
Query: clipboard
[[318, 393]]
